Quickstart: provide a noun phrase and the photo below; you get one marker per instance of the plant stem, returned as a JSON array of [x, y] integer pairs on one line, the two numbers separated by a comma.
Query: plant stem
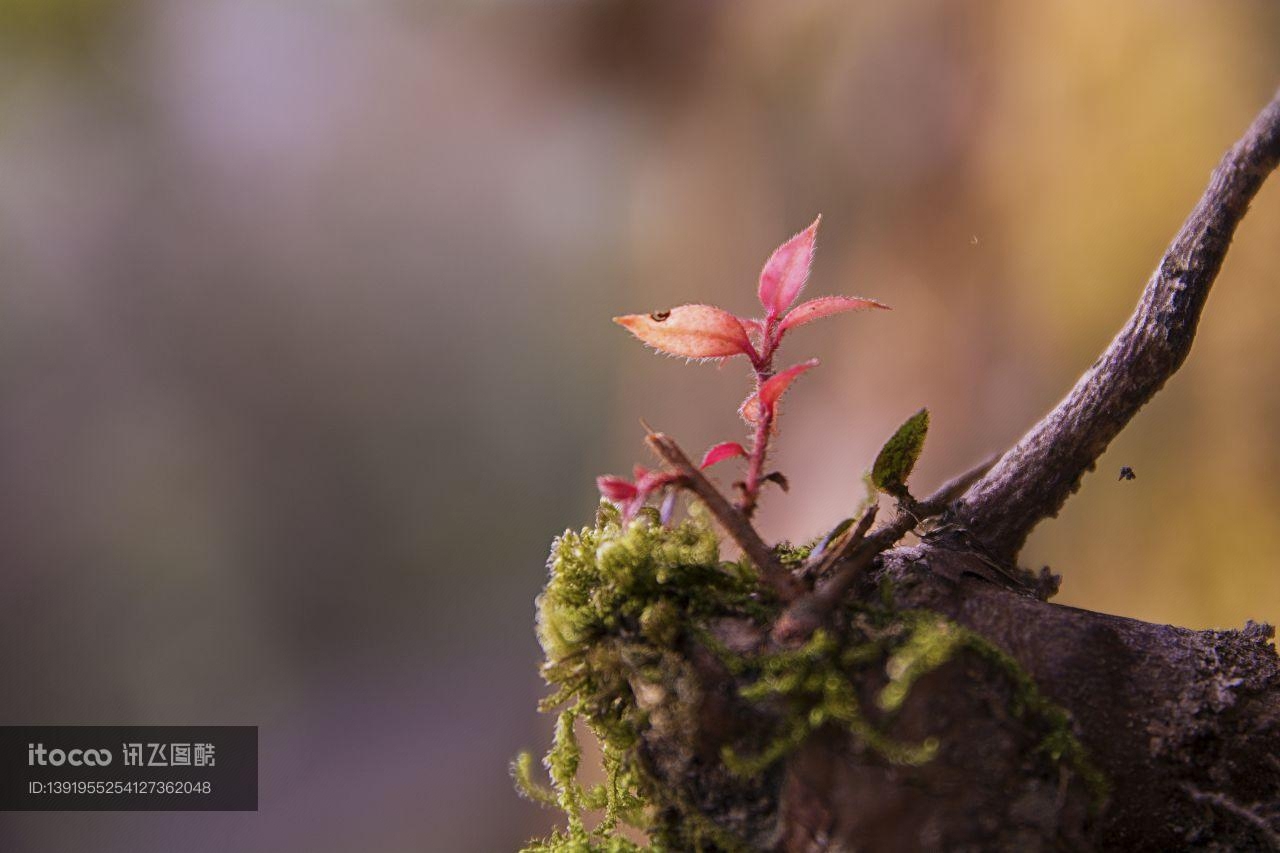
[[763, 366]]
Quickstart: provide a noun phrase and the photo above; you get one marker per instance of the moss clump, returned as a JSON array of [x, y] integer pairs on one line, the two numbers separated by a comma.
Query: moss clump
[[625, 605], [620, 599], [603, 579], [793, 556], [933, 640], [617, 797], [930, 642], [816, 683]]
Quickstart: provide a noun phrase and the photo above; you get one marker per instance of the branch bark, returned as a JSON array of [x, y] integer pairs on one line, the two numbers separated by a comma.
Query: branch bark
[[734, 521], [1034, 479], [854, 552]]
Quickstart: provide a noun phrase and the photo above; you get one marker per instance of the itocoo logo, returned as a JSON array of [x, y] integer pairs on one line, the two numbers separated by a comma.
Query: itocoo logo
[[37, 754]]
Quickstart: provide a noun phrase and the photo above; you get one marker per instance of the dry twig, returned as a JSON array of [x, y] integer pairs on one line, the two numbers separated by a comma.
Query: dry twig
[[734, 522], [857, 551], [1033, 479]]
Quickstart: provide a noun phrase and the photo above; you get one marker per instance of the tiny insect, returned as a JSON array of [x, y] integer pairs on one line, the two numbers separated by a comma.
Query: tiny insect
[[1126, 473]]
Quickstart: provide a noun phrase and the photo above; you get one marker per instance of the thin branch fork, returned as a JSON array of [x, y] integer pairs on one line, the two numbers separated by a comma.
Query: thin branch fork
[[1034, 479], [849, 552], [856, 551], [842, 547], [859, 558]]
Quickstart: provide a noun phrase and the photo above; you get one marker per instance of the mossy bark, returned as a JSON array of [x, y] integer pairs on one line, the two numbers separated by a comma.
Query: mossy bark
[[934, 710], [1181, 730]]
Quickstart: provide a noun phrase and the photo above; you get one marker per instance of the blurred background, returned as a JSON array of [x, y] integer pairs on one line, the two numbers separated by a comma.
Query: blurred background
[[305, 352]]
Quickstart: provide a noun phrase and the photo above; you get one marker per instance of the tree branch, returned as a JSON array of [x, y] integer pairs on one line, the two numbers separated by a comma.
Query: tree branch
[[731, 519], [1034, 479], [867, 549], [855, 552], [843, 545]]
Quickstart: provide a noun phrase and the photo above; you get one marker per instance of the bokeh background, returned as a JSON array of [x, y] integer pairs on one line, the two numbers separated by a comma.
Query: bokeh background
[[305, 353]]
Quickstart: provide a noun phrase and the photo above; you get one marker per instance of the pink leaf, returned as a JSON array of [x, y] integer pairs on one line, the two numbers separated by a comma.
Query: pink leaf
[[616, 489], [655, 480], [777, 385], [787, 270], [722, 451], [825, 306], [692, 331]]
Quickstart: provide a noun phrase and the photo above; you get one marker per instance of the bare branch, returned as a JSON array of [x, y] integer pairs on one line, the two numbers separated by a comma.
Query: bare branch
[[954, 488], [1033, 479], [855, 552], [731, 519], [843, 546]]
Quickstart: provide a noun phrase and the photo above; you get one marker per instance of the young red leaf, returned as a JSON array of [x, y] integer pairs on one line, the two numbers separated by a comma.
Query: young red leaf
[[722, 451], [787, 270], [654, 480], [777, 385], [692, 331], [616, 489], [825, 306]]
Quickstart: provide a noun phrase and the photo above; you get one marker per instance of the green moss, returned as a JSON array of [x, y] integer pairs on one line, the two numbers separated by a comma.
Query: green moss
[[816, 683], [618, 797], [933, 640], [603, 578], [560, 842], [930, 643], [621, 605], [620, 599], [1060, 744], [793, 556]]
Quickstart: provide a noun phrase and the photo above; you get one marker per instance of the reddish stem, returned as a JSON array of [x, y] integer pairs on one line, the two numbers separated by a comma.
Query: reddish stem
[[763, 365]]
